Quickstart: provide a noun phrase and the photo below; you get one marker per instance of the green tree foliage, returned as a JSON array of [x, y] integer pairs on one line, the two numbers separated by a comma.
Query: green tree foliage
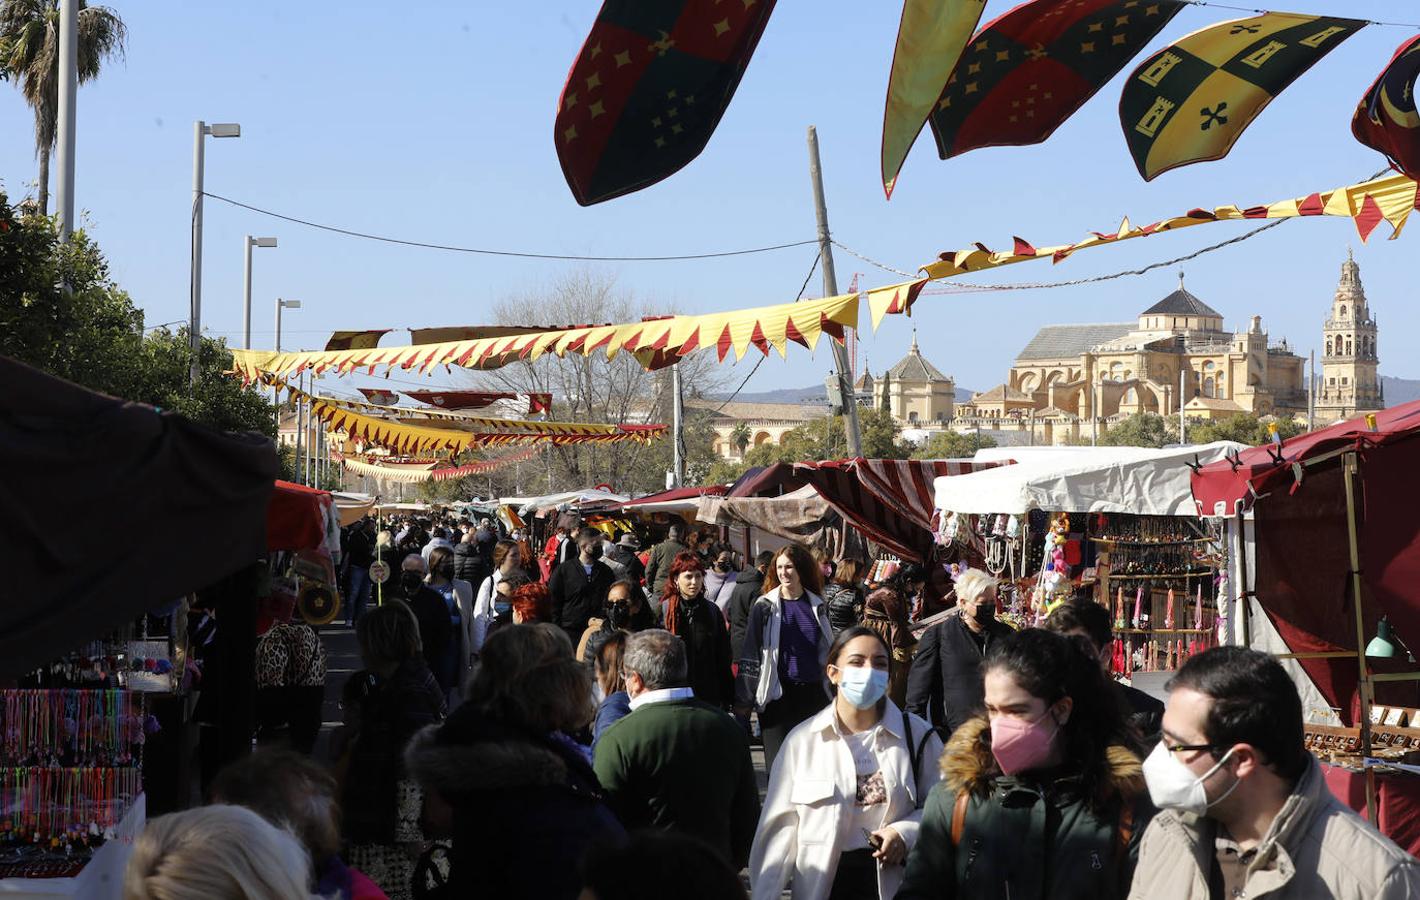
[[29, 56], [953, 445], [1140, 430], [818, 439], [1244, 428], [92, 333]]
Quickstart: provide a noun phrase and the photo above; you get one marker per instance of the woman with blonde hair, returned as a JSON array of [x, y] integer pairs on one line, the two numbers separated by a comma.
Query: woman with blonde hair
[[216, 853], [785, 651]]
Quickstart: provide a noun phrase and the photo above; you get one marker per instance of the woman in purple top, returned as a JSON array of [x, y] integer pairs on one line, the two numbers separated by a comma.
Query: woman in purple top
[[785, 651]]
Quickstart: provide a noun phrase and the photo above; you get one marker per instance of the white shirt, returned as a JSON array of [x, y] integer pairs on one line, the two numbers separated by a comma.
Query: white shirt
[[664, 695]]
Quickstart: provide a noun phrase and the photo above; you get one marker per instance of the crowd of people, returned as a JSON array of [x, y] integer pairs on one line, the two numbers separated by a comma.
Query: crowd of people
[[578, 722]]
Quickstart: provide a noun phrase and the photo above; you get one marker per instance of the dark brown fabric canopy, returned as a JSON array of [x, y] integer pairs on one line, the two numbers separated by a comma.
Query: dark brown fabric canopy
[[109, 509]]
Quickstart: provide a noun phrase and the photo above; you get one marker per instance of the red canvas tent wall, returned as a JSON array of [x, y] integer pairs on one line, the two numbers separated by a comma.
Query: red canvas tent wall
[[295, 517], [1296, 495]]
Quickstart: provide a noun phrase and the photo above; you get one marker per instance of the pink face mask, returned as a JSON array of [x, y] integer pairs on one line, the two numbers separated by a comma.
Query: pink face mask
[[1020, 746]]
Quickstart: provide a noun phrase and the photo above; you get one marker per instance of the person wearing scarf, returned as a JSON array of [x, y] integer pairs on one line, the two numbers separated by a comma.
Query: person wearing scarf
[[699, 623]]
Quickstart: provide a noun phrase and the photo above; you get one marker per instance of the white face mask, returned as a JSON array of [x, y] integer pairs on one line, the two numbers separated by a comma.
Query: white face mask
[[1172, 785]]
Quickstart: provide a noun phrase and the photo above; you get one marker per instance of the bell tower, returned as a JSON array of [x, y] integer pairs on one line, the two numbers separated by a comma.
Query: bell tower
[[1349, 381]]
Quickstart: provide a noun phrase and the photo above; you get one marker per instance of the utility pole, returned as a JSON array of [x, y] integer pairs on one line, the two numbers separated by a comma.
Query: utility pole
[[830, 289], [67, 118], [677, 429]]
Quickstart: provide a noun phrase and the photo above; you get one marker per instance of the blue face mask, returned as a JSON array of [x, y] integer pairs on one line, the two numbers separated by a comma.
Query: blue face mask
[[862, 686], [502, 610]]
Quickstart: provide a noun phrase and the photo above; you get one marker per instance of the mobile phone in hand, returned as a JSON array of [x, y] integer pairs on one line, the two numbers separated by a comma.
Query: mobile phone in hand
[[874, 841]]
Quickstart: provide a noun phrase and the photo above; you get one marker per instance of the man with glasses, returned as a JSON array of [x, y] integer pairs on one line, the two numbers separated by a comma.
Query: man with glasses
[[1245, 809]]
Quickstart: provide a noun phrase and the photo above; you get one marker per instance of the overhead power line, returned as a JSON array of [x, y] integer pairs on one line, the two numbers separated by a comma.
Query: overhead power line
[[521, 254]]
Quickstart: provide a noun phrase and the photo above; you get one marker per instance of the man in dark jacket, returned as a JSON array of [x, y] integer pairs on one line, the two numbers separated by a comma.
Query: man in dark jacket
[[359, 553], [579, 585], [436, 628], [658, 567], [749, 587], [623, 553], [944, 685], [1090, 620], [675, 763], [470, 562]]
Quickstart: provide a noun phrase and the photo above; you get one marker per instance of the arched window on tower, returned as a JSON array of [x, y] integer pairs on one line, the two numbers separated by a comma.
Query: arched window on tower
[[1348, 346], [1328, 346], [1343, 310], [1208, 386]]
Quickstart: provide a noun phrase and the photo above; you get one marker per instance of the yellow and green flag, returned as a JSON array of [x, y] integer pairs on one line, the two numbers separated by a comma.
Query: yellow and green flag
[[1191, 101], [930, 39]]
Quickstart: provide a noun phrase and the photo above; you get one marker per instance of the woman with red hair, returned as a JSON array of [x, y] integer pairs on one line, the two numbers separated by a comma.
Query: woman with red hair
[[532, 603], [700, 625]]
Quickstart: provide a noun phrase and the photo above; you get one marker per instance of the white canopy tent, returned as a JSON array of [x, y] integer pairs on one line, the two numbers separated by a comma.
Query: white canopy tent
[[1134, 480]]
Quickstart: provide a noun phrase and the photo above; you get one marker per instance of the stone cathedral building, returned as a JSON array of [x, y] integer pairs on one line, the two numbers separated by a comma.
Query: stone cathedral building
[[1349, 383]]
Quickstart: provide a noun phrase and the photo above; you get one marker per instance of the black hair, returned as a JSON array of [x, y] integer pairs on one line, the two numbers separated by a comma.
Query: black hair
[[835, 649], [642, 867], [1082, 615], [1254, 702], [1051, 666], [763, 559]]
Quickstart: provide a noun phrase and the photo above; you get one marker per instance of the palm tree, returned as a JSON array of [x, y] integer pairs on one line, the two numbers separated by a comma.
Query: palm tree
[[740, 437], [29, 56]]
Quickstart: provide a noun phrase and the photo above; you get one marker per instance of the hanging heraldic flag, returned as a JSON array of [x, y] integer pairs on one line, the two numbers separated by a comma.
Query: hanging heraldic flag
[[650, 85], [930, 39], [356, 340], [1027, 72], [1190, 102], [1386, 119]]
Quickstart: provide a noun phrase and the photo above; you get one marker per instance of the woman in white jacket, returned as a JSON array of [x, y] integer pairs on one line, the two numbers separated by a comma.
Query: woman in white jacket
[[505, 563], [846, 793]]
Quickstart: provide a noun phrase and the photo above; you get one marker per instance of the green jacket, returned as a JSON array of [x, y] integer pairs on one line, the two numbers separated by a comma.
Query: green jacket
[[1024, 837], [682, 765]]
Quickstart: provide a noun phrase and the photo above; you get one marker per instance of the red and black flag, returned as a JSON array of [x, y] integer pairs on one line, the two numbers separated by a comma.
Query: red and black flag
[[1386, 119], [1027, 71], [379, 397], [650, 85]]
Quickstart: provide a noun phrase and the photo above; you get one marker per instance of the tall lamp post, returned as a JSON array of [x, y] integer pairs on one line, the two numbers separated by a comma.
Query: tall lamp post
[[200, 130], [276, 391], [247, 243]]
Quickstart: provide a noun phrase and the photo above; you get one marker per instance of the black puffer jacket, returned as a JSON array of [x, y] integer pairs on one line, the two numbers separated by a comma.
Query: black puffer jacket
[[845, 605], [471, 564], [748, 588], [525, 807], [391, 711]]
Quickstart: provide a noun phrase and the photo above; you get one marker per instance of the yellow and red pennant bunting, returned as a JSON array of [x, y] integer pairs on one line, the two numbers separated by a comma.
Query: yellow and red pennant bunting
[[439, 418], [413, 473], [655, 343], [1389, 199], [429, 434]]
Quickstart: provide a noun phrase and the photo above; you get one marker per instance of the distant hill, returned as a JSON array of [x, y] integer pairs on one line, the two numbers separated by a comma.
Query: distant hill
[[816, 394], [1399, 390]]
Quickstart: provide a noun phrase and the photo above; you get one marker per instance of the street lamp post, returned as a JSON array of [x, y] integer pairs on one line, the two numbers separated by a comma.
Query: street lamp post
[[200, 130], [248, 243], [276, 391]]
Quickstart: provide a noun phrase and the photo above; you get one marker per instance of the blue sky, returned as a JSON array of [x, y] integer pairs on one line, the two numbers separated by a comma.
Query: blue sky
[[434, 122]]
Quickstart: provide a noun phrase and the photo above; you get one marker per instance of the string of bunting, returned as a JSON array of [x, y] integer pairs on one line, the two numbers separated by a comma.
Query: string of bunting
[[655, 343], [406, 438], [659, 342], [411, 474], [441, 418]]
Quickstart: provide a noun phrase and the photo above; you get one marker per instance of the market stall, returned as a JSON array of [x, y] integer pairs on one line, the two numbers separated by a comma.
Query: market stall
[[1115, 522], [767, 523], [1327, 549], [92, 633]]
